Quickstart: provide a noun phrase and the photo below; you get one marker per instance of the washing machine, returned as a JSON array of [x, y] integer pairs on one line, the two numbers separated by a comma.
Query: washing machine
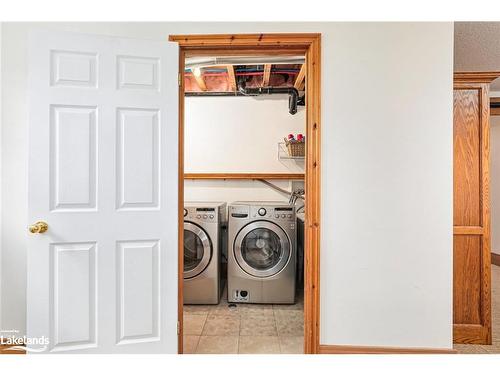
[[261, 252], [203, 222]]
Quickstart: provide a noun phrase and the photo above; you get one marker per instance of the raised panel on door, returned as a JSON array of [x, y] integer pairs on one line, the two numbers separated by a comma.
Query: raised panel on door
[[137, 158], [467, 158], [138, 291], [138, 72], [73, 154], [467, 279], [471, 240], [73, 296], [73, 68]]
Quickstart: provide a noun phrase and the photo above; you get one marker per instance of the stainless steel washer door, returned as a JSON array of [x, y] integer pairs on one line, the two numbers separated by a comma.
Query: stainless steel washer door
[[197, 250], [262, 249]]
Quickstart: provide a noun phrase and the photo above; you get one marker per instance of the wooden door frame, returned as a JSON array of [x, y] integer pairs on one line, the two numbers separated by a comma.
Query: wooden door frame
[[479, 333], [308, 44]]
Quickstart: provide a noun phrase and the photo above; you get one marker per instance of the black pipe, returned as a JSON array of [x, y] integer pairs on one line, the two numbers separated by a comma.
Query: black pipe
[[291, 91], [293, 99]]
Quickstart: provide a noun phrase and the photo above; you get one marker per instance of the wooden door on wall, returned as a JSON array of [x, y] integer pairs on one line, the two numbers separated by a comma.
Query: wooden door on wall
[[471, 215]]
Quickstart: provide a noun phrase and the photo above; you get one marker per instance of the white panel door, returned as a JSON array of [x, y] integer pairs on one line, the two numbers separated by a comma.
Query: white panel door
[[103, 172]]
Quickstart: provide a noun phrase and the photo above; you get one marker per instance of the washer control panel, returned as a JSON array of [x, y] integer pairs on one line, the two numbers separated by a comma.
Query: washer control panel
[[284, 213], [201, 214]]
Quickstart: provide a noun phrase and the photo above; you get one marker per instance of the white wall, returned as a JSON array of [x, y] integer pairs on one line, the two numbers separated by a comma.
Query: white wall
[[237, 135], [386, 242], [386, 257], [232, 190], [495, 183], [1, 127]]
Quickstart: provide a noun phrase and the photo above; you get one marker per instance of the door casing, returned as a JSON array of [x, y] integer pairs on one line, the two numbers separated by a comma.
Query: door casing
[[308, 44], [468, 329]]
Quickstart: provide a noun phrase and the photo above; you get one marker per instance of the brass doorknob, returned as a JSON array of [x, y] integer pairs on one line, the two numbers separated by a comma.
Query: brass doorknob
[[39, 227]]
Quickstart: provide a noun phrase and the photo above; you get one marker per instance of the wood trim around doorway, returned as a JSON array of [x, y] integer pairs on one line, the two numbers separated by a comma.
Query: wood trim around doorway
[[243, 176], [270, 44], [348, 349], [472, 221]]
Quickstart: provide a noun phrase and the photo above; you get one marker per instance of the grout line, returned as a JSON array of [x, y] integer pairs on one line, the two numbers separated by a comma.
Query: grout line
[[277, 333], [203, 327], [276, 326], [195, 351]]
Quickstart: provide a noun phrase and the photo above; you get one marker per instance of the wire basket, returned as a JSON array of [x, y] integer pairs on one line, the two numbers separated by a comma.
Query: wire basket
[[296, 149]]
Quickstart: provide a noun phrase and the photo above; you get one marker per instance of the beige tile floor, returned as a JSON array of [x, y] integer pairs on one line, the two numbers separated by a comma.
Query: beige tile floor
[[279, 328], [244, 329], [495, 317]]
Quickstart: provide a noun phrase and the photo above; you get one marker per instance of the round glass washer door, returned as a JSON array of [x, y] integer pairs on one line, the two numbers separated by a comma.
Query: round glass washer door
[[262, 249], [197, 250]]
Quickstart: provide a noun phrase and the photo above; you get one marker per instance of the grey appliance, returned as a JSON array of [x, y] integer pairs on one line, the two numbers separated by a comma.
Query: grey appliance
[[203, 244], [261, 252]]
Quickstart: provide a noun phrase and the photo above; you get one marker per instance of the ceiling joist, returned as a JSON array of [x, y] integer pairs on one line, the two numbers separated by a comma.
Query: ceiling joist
[[222, 78], [300, 80], [267, 75], [232, 77], [200, 81]]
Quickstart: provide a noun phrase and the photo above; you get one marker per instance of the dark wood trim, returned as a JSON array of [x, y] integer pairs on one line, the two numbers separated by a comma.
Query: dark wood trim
[[276, 40], [244, 176], [277, 44], [4, 349], [244, 51], [468, 230], [348, 349], [472, 333], [479, 333], [313, 206], [476, 77], [495, 259]]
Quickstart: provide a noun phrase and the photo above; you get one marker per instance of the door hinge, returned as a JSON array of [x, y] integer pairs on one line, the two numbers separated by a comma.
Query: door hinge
[[178, 328], [179, 78]]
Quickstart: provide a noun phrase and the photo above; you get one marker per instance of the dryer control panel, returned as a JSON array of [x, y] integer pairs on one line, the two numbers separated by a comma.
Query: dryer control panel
[[201, 214]]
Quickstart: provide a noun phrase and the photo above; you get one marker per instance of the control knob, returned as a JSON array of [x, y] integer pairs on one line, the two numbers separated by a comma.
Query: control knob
[[262, 211]]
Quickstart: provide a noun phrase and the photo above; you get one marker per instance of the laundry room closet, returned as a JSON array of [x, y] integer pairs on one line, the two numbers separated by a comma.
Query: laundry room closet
[[244, 203]]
